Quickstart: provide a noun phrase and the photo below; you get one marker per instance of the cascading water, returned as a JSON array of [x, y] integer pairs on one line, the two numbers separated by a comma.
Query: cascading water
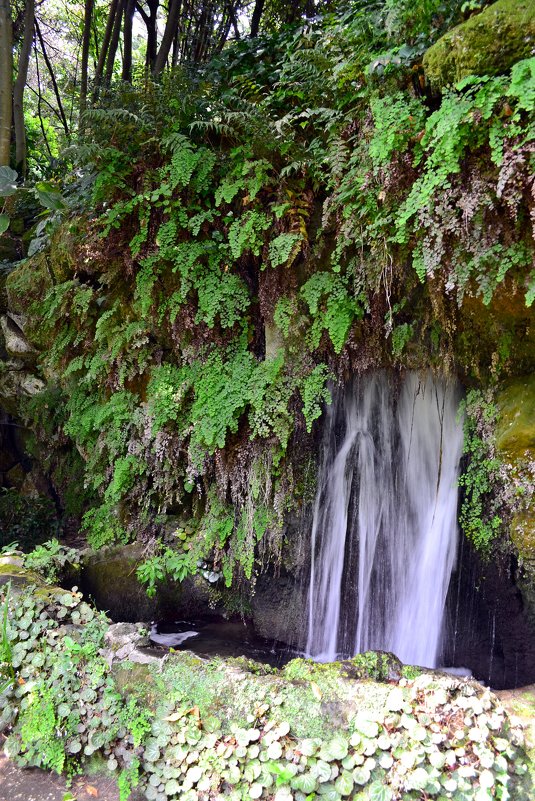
[[384, 533]]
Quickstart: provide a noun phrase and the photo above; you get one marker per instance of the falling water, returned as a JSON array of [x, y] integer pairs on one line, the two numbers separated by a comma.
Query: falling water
[[384, 531]]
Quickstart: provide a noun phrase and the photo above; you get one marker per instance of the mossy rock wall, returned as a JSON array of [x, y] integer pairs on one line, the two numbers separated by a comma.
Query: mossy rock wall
[[486, 44], [515, 442], [109, 578]]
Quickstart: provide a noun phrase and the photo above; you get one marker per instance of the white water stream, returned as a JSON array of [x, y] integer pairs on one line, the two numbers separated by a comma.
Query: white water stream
[[384, 532]]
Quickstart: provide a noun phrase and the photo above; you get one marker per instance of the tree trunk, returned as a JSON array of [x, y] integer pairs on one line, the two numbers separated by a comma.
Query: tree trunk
[[61, 110], [86, 39], [104, 49], [127, 40], [234, 22], [152, 36], [40, 102], [114, 43], [6, 80], [171, 27], [257, 14], [18, 88]]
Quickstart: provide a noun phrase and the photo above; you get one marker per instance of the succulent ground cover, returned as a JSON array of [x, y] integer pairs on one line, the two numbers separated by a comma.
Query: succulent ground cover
[[366, 728]]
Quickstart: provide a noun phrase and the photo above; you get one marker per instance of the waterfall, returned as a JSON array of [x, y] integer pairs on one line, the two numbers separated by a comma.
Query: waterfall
[[384, 532]]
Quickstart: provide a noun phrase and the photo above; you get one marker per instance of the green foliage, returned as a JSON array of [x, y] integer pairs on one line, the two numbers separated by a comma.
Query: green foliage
[[401, 336], [291, 183], [221, 395], [128, 780], [332, 308], [397, 120], [58, 690], [165, 563], [63, 707], [222, 295], [284, 249], [246, 233], [125, 471], [26, 520], [38, 731], [271, 389], [103, 527], [315, 392], [479, 516], [285, 311], [167, 393], [7, 671], [50, 559]]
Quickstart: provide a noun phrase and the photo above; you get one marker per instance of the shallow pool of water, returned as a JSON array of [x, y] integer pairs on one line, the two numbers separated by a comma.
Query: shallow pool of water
[[220, 637]]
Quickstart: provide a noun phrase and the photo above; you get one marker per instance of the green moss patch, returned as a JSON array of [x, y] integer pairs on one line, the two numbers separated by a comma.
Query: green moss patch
[[486, 44], [515, 431]]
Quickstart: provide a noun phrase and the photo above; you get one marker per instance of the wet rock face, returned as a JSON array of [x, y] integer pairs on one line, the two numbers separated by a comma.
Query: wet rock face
[[279, 610], [488, 43], [109, 578], [491, 604], [515, 442], [489, 629], [15, 340], [128, 641]]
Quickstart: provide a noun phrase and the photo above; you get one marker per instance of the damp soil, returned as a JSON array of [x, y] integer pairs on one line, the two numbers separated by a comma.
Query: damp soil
[[32, 784]]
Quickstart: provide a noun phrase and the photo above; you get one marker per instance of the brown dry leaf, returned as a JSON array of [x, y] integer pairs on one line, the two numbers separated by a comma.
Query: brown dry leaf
[[174, 716], [196, 713], [90, 790], [318, 695]]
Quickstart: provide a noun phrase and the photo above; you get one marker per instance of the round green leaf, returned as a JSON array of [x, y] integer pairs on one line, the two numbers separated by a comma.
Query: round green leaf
[[344, 783], [306, 782], [172, 787], [361, 776], [379, 792]]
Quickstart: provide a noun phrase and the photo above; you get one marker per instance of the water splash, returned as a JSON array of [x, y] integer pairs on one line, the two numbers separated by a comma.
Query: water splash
[[384, 532]]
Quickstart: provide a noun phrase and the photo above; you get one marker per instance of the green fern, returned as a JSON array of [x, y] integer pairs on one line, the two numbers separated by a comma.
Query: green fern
[[315, 392]]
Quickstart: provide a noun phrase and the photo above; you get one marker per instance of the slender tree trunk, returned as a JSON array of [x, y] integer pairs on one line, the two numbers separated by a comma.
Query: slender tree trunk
[[114, 42], [171, 27], [176, 46], [6, 81], [50, 69], [104, 48], [127, 40], [86, 39], [152, 40], [257, 15], [186, 39], [234, 21], [199, 36], [40, 102], [228, 20], [19, 86]]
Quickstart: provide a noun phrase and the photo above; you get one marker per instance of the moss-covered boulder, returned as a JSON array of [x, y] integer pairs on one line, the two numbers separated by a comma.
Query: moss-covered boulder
[[12, 572], [28, 284], [486, 44], [10, 249], [515, 433]]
